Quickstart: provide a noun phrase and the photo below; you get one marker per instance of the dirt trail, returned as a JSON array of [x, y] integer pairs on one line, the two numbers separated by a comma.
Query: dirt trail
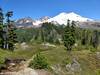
[[26, 64]]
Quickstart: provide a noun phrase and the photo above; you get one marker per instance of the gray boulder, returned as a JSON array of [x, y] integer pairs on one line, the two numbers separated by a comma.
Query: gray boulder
[[74, 66]]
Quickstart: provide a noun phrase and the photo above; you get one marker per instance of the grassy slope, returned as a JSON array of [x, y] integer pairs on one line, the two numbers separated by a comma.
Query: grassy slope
[[57, 55], [18, 53], [87, 59]]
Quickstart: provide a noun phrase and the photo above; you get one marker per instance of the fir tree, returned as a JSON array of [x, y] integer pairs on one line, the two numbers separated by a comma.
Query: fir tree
[[95, 39], [84, 39], [42, 35], [73, 30], [11, 35], [69, 36], [1, 29]]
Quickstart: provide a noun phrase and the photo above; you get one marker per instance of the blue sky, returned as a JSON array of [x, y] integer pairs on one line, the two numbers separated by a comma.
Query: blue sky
[[40, 8]]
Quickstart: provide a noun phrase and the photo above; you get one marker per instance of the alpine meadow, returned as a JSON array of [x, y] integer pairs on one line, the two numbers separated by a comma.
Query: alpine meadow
[[49, 37]]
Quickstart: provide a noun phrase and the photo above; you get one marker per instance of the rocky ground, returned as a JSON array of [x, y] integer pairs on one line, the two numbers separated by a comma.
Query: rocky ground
[[27, 71]]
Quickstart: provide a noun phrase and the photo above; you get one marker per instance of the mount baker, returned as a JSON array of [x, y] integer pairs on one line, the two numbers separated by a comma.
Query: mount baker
[[60, 19]]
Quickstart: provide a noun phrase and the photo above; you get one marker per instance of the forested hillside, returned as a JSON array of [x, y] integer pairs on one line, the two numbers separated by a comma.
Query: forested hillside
[[50, 33]]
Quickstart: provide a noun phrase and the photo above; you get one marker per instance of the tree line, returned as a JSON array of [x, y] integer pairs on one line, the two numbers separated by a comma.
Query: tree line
[[68, 35], [86, 37]]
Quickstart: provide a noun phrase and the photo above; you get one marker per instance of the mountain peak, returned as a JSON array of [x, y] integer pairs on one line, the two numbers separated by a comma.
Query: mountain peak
[[69, 13], [59, 19], [63, 17], [45, 18], [72, 14]]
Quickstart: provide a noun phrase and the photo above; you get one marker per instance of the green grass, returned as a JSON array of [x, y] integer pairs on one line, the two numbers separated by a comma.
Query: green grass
[[3, 55], [18, 53], [86, 58], [57, 55]]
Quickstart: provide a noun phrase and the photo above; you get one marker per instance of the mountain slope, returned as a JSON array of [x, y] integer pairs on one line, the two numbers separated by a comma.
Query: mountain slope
[[63, 17], [59, 19]]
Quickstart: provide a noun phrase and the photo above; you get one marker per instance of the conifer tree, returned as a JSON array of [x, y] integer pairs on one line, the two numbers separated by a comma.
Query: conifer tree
[[95, 39], [69, 36], [11, 35], [84, 39], [7, 32], [42, 35], [73, 30], [1, 29]]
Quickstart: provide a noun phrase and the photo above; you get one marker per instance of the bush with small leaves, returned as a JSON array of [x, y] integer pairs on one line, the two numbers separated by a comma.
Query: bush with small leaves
[[39, 62]]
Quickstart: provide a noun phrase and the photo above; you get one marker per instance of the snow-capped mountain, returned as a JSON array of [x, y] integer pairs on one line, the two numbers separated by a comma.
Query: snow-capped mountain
[[59, 19], [63, 17], [40, 21]]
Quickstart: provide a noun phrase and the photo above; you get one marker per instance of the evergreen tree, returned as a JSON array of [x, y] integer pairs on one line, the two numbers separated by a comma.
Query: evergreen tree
[[39, 62], [84, 39], [69, 36], [73, 30], [42, 35], [11, 35], [12, 38], [1, 29], [95, 39]]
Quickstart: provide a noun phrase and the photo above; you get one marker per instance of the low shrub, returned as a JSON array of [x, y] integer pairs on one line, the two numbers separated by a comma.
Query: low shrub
[[39, 62]]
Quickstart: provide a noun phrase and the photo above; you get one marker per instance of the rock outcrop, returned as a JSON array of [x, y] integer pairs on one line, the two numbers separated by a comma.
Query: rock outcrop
[[73, 67]]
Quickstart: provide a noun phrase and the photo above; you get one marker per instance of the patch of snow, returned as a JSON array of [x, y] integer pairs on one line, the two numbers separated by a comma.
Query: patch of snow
[[63, 17]]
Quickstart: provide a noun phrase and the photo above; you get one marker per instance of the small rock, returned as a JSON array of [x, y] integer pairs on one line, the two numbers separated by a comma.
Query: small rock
[[98, 55], [24, 45], [74, 66]]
